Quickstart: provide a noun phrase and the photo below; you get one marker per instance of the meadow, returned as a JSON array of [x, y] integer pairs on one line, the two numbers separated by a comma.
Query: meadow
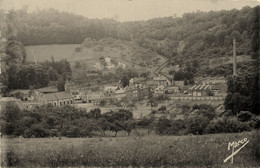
[[134, 151], [45, 52]]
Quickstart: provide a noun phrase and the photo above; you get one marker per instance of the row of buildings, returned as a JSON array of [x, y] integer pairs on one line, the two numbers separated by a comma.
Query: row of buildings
[[139, 88]]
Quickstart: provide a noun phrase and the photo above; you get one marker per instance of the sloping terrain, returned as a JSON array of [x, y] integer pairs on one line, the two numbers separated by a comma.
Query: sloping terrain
[[42, 53], [125, 52]]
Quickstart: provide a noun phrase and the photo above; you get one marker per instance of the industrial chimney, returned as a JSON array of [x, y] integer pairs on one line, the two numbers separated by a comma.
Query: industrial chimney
[[234, 58]]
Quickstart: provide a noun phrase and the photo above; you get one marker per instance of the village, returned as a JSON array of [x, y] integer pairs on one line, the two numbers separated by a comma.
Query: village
[[207, 88]]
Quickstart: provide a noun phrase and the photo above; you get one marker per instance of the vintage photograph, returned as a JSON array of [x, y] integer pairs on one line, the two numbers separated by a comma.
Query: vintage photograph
[[130, 83]]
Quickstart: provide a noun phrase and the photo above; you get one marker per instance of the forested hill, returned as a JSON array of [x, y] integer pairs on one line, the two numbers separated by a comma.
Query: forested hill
[[200, 34]]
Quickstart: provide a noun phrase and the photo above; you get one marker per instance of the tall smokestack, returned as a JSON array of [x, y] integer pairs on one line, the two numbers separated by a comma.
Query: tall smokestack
[[234, 58]]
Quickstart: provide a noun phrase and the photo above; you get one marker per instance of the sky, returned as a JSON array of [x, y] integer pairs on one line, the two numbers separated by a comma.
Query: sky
[[128, 10]]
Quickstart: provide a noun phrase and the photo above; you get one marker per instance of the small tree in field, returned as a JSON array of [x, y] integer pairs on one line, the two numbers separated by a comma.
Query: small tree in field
[[104, 125], [152, 103], [129, 125], [116, 126]]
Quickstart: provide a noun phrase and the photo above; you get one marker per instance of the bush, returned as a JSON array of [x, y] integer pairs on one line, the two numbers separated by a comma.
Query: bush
[[205, 110], [103, 103], [177, 128], [163, 125], [170, 127], [12, 159], [224, 125], [244, 116], [196, 125]]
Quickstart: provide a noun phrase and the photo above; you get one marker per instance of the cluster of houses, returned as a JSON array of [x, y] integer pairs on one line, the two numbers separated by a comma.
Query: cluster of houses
[[138, 88], [47, 95]]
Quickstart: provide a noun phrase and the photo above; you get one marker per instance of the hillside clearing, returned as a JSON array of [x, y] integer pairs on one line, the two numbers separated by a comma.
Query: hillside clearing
[[45, 52]]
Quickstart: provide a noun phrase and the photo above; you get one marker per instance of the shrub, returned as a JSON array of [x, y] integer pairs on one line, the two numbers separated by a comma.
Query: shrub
[[163, 125], [145, 121], [170, 127], [197, 124], [103, 103], [177, 128], [12, 159], [205, 110], [244, 116], [224, 125]]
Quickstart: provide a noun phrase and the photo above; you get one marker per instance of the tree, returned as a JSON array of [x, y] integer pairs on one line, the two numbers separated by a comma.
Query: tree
[[125, 81], [102, 102], [95, 114], [15, 51], [196, 125], [129, 125], [10, 117], [52, 74], [163, 125], [147, 123], [195, 63], [61, 85], [104, 125], [162, 109], [144, 75], [152, 103], [116, 126]]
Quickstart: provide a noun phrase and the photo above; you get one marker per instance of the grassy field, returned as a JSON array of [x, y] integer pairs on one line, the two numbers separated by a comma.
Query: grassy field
[[145, 151], [127, 53], [45, 52]]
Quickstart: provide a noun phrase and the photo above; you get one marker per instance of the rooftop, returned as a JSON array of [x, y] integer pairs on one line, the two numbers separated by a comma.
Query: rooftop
[[47, 89], [57, 96]]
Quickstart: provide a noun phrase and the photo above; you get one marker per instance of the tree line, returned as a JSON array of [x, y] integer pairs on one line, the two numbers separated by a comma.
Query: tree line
[[33, 76], [68, 121], [200, 34], [48, 121]]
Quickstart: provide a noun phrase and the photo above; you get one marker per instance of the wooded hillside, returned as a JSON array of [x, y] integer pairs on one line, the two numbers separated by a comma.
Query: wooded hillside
[[200, 34]]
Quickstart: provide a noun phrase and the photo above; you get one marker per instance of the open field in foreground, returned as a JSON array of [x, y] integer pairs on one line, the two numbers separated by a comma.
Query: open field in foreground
[[146, 151]]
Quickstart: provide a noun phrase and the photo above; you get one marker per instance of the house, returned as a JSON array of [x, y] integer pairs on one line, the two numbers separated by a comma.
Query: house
[[151, 83], [136, 80], [131, 93], [180, 84], [210, 80], [172, 89], [134, 93], [109, 91], [120, 93], [159, 89], [24, 94], [57, 99], [199, 90], [49, 89], [218, 89], [93, 97], [143, 93], [30, 104], [162, 80]]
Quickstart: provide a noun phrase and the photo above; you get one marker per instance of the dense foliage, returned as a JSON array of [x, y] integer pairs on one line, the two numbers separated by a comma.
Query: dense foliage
[[46, 121], [243, 94], [202, 119], [200, 34], [24, 76]]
